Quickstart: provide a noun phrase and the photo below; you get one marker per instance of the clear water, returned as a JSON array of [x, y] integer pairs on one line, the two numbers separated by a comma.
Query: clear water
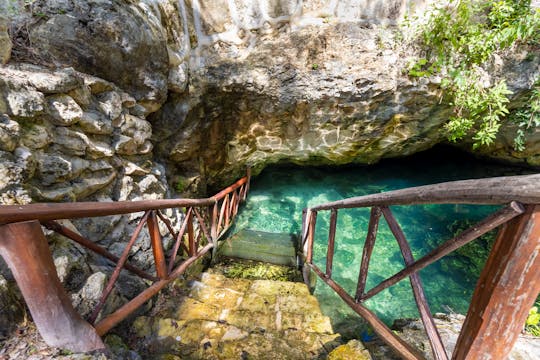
[[279, 194]]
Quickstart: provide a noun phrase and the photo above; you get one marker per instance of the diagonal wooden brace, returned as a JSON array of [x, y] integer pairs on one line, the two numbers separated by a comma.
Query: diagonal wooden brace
[[26, 251]]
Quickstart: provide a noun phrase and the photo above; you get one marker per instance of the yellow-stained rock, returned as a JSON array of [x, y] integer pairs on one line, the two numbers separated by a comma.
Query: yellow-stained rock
[[279, 288], [192, 309], [251, 320], [224, 318], [256, 303], [220, 281], [219, 297], [353, 350], [298, 304]]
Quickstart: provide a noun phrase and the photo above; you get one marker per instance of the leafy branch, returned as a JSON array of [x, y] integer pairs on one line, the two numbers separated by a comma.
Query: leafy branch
[[457, 41]]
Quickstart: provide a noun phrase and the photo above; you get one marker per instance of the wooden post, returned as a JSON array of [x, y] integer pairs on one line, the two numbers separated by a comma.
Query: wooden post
[[439, 353], [191, 235], [157, 246], [506, 290], [331, 243], [367, 251], [26, 251]]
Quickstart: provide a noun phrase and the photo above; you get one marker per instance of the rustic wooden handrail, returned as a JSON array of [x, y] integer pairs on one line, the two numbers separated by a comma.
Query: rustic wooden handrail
[[515, 254], [492, 191], [56, 320]]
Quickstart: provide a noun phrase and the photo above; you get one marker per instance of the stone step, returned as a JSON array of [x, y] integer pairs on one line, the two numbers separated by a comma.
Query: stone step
[[273, 248], [226, 318]]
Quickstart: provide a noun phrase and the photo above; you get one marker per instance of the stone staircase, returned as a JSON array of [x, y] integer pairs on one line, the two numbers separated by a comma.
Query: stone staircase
[[225, 318]]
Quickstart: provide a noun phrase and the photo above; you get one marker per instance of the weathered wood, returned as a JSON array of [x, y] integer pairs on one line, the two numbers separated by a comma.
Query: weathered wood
[[179, 240], [220, 195], [228, 210], [506, 290], [110, 321], [303, 236], [222, 211], [191, 236], [202, 225], [475, 231], [157, 246], [26, 252], [234, 203], [331, 241], [367, 251], [311, 236], [62, 230], [248, 181], [498, 190], [55, 211], [116, 273], [398, 345], [168, 224], [214, 229], [437, 347]]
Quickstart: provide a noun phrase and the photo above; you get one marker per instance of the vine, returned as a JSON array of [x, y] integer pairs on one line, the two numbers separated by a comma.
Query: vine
[[458, 40]]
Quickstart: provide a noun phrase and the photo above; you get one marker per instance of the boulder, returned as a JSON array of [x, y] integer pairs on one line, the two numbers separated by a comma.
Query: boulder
[[112, 39]]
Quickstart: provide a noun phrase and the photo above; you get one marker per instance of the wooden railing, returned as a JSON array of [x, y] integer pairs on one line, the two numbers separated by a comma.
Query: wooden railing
[[25, 249], [508, 285]]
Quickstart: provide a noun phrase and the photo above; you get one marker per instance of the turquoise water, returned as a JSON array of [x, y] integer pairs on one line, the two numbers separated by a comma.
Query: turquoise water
[[279, 194]]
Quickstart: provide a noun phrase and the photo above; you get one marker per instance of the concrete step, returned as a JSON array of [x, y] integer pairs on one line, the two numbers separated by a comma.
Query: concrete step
[[273, 248]]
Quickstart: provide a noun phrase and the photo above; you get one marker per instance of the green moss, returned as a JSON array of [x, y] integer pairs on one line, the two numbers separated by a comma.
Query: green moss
[[255, 270]]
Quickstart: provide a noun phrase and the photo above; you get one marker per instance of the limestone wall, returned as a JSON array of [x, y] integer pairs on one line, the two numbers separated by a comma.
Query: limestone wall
[[68, 136]]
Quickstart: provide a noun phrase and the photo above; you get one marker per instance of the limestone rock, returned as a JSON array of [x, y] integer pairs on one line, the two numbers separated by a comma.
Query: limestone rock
[[112, 39], [5, 41], [18, 99], [224, 318], [37, 136], [12, 305], [54, 169], [95, 123], [353, 350], [88, 296], [9, 133], [64, 110], [69, 259]]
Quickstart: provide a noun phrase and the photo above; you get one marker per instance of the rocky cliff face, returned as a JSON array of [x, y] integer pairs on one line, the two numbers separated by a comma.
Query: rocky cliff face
[[231, 84]]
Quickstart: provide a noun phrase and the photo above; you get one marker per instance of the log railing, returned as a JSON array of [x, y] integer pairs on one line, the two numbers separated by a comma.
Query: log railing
[[508, 285], [24, 248]]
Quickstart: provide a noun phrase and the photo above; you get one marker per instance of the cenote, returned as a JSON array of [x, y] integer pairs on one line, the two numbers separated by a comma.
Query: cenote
[[279, 194]]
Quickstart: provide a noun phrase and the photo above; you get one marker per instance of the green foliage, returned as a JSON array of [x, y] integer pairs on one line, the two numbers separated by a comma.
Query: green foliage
[[180, 184], [458, 40], [527, 118], [532, 325]]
